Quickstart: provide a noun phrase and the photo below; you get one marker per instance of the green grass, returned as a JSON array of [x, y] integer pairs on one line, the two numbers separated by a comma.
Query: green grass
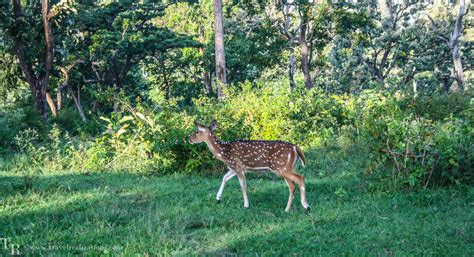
[[123, 213]]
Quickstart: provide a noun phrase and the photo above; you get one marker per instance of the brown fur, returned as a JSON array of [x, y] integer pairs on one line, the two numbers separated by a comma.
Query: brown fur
[[254, 155]]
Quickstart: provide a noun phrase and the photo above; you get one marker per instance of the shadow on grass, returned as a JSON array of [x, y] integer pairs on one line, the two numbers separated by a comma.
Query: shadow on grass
[[111, 208], [178, 214]]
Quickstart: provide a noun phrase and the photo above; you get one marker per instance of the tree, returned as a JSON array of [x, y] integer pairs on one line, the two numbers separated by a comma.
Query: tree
[[193, 19], [454, 44], [219, 47], [310, 27], [305, 11], [35, 64], [387, 40], [121, 36], [290, 31]]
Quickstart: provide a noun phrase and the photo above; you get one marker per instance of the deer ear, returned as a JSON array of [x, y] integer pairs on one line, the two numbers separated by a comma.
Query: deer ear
[[213, 125], [200, 126]]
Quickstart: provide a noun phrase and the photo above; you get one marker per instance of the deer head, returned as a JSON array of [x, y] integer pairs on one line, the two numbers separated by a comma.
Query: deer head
[[203, 133]]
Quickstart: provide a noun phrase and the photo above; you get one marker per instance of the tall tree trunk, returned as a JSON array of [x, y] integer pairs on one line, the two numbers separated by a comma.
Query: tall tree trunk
[[38, 85], [458, 73], [287, 9], [48, 34], [24, 64], [219, 47], [304, 47], [454, 44], [48, 58]]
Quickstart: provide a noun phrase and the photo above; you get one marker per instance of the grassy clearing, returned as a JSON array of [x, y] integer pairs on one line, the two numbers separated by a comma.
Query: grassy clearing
[[58, 213]]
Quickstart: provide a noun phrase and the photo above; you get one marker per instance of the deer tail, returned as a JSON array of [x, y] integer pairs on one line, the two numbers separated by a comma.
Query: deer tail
[[301, 155]]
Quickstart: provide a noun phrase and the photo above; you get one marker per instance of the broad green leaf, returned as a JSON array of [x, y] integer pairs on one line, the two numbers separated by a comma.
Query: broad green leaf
[[125, 118]]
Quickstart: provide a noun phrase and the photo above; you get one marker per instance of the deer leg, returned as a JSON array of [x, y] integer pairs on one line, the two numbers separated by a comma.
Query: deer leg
[[299, 179], [226, 178], [243, 185], [291, 187]]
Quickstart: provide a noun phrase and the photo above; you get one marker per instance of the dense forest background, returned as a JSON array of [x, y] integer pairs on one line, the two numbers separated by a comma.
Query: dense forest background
[[93, 86]]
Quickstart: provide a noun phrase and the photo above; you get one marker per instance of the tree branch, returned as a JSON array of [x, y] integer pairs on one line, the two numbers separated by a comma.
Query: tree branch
[[436, 31]]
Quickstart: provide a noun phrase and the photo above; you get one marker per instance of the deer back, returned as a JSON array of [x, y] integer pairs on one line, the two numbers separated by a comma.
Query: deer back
[[258, 155]]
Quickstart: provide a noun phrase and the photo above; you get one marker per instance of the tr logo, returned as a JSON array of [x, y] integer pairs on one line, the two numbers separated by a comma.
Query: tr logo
[[7, 244]]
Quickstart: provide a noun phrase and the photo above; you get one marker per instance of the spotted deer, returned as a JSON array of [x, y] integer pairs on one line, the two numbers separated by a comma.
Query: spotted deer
[[254, 155]]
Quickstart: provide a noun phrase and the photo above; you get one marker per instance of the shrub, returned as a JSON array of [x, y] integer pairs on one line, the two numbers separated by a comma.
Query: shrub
[[410, 145], [408, 150]]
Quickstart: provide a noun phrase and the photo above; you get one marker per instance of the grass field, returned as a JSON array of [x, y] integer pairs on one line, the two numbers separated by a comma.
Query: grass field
[[121, 213]]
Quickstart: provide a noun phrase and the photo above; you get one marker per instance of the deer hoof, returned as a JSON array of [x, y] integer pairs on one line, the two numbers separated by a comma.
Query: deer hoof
[[218, 201], [308, 209]]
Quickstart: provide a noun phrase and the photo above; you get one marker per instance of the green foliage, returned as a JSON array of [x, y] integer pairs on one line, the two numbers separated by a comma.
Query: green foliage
[[16, 115], [10, 75], [409, 150], [410, 146]]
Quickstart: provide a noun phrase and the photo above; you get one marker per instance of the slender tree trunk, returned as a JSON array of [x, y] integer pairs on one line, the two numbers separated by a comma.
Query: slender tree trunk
[[219, 47], [40, 98], [413, 80], [52, 105], [287, 9], [454, 44], [48, 34], [48, 59], [291, 71], [207, 82], [305, 65], [415, 89], [304, 48], [77, 102], [59, 98], [458, 73]]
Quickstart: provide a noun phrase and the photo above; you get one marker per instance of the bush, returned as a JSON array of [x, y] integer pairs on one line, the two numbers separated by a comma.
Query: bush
[[410, 145], [270, 111], [409, 150], [16, 116]]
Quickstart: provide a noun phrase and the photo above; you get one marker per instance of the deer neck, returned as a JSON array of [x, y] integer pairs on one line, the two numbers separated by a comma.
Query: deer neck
[[215, 145]]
